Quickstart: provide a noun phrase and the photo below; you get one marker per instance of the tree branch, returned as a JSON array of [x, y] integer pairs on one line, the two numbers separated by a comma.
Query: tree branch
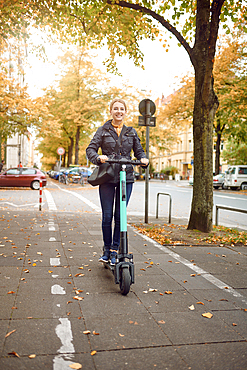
[[160, 19]]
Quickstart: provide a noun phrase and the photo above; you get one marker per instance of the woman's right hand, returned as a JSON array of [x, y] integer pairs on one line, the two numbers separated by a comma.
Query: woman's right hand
[[102, 158]]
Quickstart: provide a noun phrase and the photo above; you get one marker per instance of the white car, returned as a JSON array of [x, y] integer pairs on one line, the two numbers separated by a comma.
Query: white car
[[236, 177]]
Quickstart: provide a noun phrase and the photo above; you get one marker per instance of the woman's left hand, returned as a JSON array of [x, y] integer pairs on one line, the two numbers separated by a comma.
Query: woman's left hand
[[145, 161]]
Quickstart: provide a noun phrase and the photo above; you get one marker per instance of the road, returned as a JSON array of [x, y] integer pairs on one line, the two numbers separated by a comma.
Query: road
[[78, 199]]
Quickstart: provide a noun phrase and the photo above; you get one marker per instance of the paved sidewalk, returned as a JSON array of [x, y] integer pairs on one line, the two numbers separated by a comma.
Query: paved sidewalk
[[59, 305]]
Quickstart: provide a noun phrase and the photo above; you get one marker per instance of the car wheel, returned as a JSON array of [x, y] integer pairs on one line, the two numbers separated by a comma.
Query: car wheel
[[216, 187], [243, 186], [35, 185]]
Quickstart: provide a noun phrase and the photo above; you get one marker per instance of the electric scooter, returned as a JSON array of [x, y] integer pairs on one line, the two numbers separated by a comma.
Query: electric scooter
[[123, 270]]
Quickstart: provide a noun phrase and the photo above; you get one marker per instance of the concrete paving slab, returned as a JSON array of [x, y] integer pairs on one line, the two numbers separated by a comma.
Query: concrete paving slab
[[45, 272], [125, 331], [176, 302], [160, 358], [46, 307], [39, 336], [10, 261], [6, 306], [217, 299], [109, 304], [192, 282], [236, 281], [192, 328], [237, 319], [162, 282], [41, 362], [215, 356]]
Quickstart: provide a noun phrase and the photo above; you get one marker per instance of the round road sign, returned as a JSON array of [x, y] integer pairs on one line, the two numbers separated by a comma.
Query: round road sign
[[142, 107], [60, 151]]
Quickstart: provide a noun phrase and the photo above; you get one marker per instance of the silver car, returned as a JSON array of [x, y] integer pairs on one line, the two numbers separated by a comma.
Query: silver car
[[218, 181]]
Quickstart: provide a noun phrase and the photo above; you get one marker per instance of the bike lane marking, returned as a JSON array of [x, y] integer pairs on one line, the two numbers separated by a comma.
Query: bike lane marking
[[63, 330], [209, 277]]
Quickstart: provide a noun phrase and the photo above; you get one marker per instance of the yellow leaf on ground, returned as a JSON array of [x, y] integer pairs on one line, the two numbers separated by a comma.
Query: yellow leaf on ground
[[75, 365], [7, 335], [86, 332], [200, 303], [168, 292], [32, 356], [208, 315], [161, 322], [121, 335], [93, 353]]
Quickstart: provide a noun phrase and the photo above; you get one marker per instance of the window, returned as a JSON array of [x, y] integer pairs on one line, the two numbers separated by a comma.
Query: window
[[190, 145], [242, 171], [13, 171], [28, 171]]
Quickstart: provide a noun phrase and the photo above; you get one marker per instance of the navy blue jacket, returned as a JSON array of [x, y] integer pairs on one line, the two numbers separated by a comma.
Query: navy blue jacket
[[106, 138]]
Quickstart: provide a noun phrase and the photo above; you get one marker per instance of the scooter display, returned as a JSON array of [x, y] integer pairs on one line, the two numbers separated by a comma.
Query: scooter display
[[123, 270]]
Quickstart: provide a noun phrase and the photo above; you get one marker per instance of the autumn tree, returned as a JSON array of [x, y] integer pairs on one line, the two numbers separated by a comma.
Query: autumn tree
[[195, 25]]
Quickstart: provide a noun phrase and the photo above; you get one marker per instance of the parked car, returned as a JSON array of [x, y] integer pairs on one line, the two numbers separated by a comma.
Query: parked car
[[22, 177], [218, 181], [236, 177]]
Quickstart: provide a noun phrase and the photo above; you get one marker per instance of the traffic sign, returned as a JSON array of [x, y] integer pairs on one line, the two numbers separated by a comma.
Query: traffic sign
[[143, 105], [141, 121], [60, 151]]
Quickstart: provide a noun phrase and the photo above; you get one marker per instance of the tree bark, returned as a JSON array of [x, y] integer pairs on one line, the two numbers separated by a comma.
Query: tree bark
[[217, 148], [205, 106], [70, 151], [77, 138]]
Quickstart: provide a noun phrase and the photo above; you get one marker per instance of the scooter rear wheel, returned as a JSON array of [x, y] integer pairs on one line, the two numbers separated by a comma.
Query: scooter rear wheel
[[124, 281]]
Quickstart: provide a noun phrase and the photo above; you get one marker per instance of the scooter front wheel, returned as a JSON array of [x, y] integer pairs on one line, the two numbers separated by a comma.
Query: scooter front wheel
[[124, 280]]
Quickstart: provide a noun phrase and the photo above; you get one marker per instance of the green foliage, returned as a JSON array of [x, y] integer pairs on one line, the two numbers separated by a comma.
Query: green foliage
[[235, 153]]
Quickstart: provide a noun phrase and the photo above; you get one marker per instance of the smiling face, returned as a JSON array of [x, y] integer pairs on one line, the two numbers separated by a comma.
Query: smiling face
[[118, 113]]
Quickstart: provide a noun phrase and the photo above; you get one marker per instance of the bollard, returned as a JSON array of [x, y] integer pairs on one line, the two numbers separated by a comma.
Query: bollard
[[40, 194]]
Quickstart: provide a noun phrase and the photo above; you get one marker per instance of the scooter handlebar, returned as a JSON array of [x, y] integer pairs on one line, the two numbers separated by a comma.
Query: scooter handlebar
[[125, 161]]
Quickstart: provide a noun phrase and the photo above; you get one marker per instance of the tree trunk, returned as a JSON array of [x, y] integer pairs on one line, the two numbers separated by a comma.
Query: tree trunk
[[77, 138], [70, 151], [205, 106], [217, 149]]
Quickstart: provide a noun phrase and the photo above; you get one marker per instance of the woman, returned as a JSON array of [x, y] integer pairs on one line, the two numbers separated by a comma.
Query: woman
[[105, 138]]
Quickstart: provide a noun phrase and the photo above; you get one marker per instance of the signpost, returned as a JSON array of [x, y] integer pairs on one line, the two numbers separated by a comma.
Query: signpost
[[147, 108], [60, 152]]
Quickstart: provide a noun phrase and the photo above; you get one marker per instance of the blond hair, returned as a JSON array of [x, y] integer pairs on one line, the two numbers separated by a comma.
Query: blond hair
[[118, 100]]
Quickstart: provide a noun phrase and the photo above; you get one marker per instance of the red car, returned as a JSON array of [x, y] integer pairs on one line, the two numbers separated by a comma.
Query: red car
[[22, 177]]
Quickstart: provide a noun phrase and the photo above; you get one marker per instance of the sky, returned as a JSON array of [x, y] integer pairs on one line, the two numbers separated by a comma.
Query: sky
[[161, 75]]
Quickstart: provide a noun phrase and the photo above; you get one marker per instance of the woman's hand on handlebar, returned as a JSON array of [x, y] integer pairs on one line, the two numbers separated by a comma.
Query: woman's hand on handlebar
[[102, 158], [145, 161]]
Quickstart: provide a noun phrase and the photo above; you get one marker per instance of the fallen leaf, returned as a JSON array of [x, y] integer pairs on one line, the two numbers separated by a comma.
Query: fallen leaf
[[121, 335], [200, 303], [75, 365], [11, 292], [168, 292], [14, 353], [78, 298], [208, 315], [86, 332], [192, 307], [233, 324], [32, 356], [161, 322], [142, 269], [7, 335], [223, 299], [93, 353], [192, 275], [95, 333], [50, 271], [152, 290]]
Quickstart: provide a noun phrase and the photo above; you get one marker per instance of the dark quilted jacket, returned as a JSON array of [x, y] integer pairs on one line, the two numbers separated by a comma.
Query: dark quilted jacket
[[106, 138]]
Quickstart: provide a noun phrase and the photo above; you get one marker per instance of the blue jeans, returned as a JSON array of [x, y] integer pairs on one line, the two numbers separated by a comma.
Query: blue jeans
[[108, 193]]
